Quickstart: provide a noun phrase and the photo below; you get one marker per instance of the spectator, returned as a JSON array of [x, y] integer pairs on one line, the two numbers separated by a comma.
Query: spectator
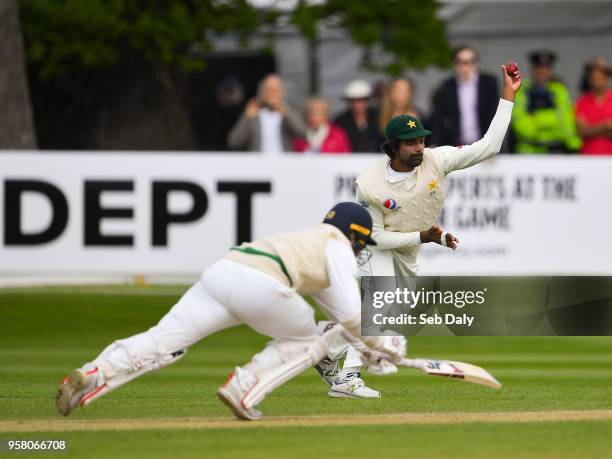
[[321, 135], [397, 100], [543, 119], [463, 105], [360, 121], [267, 123], [594, 111], [584, 79]]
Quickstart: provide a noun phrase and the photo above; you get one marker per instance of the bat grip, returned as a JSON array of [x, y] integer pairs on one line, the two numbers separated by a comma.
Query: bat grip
[[413, 363]]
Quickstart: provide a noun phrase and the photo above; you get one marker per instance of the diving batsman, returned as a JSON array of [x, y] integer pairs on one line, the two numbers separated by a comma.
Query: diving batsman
[[259, 284]]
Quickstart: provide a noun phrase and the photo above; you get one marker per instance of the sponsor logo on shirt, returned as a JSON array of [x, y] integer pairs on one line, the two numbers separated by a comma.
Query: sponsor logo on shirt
[[391, 204]]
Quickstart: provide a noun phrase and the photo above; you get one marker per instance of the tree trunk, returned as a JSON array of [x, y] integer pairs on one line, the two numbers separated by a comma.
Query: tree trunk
[[313, 65], [16, 126]]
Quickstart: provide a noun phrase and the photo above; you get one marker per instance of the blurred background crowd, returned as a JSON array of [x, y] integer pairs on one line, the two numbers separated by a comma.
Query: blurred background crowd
[[545, 119], [203, 75]]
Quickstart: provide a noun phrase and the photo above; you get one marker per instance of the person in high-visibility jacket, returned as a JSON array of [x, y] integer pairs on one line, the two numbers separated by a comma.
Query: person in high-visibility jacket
[[543, 119]]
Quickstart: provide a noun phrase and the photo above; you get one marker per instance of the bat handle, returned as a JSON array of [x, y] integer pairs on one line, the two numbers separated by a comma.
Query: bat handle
[[413, 363]]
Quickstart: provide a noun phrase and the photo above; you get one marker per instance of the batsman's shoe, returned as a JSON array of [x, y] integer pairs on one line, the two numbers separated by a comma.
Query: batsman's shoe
[[80, 387], [351, 386], [328, 369], [234, 390]]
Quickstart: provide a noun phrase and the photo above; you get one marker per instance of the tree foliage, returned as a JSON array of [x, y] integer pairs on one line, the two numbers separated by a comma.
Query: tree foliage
[[64, 35], [394, 34]]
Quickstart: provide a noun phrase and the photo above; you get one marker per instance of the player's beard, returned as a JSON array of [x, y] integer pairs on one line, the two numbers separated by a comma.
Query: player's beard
[[411, 160]]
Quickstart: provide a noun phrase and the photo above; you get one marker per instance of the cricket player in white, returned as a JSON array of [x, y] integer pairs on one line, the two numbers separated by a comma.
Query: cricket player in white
[[259, 284], [404, 193]]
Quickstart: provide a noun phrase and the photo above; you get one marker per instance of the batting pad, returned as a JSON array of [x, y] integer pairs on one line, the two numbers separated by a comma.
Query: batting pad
[[276, 377]]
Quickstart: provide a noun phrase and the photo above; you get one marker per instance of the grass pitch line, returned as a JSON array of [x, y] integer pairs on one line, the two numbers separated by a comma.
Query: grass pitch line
[[66, 425]]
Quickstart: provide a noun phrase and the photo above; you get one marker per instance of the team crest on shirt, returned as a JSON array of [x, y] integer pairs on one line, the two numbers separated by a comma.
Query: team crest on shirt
[[433, 187], [391, 204]]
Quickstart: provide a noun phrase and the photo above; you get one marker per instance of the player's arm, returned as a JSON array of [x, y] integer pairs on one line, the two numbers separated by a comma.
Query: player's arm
[[456, 158], [395, 239], [387, 239], [341, 302]]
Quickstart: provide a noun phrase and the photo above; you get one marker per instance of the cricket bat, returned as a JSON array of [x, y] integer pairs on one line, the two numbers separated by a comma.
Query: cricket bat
[[451, 369]]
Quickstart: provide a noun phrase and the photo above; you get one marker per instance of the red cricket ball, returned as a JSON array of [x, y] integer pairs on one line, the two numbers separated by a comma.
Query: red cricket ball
[[511, 68]]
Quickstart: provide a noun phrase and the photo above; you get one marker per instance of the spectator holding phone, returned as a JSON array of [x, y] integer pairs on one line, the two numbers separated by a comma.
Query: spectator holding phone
[[267, 124]]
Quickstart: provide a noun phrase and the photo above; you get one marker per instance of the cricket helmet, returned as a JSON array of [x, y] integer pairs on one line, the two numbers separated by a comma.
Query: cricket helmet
[[350, 217]]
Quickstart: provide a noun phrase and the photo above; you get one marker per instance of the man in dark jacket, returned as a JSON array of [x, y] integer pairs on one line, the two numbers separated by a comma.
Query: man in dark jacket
[[464, 105], [359, 121]]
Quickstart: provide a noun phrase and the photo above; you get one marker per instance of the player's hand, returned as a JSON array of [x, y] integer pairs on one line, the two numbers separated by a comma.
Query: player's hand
[[389, 347], [377, 362], [434, 234], [452, 242], [373, 349], [395, 346], [385, 353], [511, 84]]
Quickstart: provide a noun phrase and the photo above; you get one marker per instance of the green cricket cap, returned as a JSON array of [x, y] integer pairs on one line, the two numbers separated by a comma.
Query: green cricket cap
[[405, 127]]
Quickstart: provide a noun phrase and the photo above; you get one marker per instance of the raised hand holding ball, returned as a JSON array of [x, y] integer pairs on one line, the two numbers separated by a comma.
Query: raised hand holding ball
[[511, 68]]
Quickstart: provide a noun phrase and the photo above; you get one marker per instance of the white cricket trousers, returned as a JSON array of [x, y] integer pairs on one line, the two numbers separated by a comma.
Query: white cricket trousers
[[388, 263], [227, 294]]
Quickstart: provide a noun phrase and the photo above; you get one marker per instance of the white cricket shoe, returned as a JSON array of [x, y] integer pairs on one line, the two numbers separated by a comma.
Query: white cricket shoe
[[234, 390], [78, 388], [328, 369], [351, 386]]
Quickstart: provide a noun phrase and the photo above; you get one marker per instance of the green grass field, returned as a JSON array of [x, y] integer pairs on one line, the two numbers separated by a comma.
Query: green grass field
[[44, 333]]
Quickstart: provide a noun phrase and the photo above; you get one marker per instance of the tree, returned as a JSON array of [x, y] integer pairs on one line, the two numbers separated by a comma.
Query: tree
[[111, 74], [16, 128], [67, 35], [394, 34], [97, 51]]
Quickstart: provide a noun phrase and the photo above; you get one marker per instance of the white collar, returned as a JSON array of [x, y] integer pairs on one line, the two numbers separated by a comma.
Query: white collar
[[394, 176]]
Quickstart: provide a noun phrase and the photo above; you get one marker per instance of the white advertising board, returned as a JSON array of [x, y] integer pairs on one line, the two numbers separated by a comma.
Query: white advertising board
[[175, 213]]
